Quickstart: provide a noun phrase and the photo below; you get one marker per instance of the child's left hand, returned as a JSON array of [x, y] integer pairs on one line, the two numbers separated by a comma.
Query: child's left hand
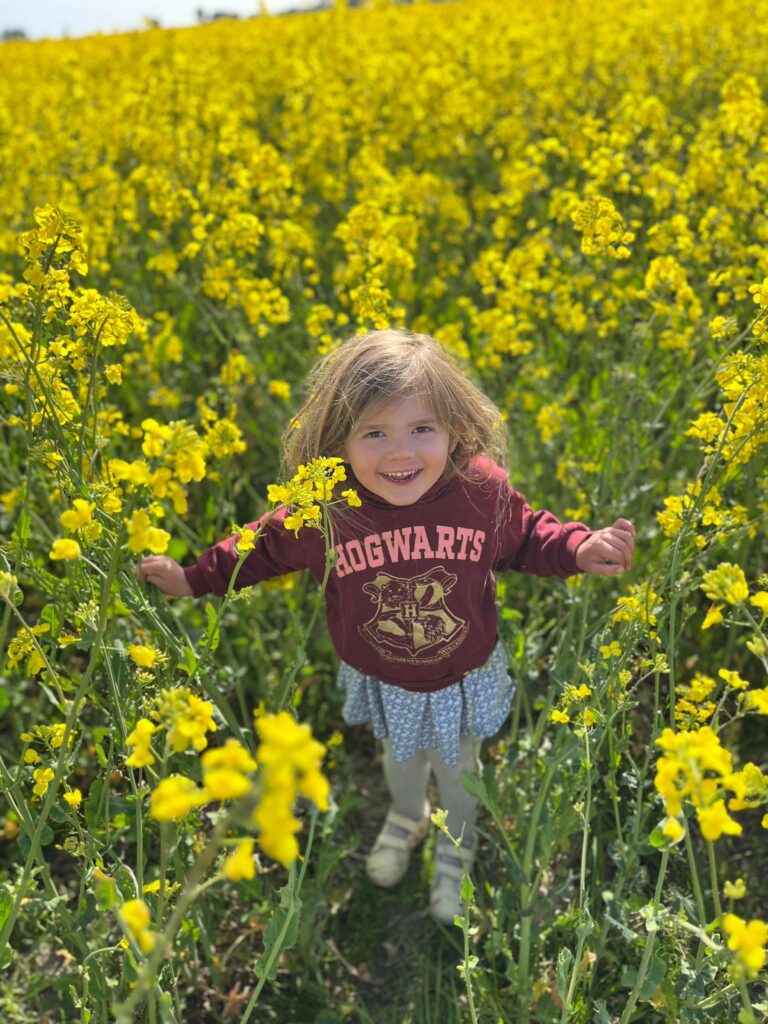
[[608, 552]]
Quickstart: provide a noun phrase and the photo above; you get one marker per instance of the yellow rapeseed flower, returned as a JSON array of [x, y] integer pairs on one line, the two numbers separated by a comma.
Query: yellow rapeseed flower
[[186, 717], [726, 583], [281, 388], [747, 940], [136, 917], [174, 797], [141, 739], [733, 679], [241, 863], [715, 821], [758, 699], [673, 829], [713, 616], [735, 890], [225, 771], [145, 657], [245, 539], [64, 549], [142, 536], [43, 777], [77, 516]]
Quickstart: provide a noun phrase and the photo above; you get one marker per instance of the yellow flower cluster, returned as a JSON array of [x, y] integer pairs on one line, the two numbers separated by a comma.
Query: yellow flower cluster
[[136, 918], [602, 228], [711, 514], [186, 717], [143, 656], [573, 695], [25, 645], [226, 776], [747, 939], [640, 604], [696, 767], [290, 759], [309, 491]]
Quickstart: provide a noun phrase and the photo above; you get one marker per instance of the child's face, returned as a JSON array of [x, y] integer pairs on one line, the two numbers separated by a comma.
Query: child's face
[[398, 451]]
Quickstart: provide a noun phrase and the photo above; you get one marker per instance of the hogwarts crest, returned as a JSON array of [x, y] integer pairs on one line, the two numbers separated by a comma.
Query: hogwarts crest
[[411, 614]]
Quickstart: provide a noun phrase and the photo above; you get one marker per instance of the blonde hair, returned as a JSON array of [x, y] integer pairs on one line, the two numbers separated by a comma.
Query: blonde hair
[[385, 366]]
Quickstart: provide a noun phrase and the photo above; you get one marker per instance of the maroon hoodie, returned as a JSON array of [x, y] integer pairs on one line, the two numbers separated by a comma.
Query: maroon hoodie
[[411, 597]]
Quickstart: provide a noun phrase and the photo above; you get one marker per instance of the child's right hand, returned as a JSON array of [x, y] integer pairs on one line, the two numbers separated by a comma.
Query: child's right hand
[[165, 573]]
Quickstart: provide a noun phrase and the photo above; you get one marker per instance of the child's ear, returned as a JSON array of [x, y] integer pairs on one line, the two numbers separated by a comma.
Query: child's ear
[[454, 431]]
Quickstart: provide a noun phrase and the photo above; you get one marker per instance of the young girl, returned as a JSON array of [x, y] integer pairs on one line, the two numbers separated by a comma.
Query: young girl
[[411, 598]]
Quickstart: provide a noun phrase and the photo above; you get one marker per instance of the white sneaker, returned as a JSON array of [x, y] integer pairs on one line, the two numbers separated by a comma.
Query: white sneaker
[[391, 853], [451, 863]]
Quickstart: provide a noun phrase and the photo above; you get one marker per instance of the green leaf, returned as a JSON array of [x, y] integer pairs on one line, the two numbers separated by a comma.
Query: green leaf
[[5, 700], [564, 961], [24, 840], [211, 639], [105, 890], [478, 788], [657, 838], [604, 1016], [653, 978], [629, 935], [100, 754], [467, 889], [51, 615], [24, 526], [167, 1016], [491, 781], [6, 902], [285, 921], [91, 805], [188, 661]]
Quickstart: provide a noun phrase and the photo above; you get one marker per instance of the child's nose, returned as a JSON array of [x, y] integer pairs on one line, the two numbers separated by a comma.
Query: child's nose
[[400, 448]]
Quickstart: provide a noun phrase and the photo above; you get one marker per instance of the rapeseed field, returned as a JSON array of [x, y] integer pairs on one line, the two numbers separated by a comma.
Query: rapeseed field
[[571, 197]]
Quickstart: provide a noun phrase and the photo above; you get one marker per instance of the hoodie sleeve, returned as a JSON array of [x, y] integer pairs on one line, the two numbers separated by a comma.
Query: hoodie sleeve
[[537, 542], [277, 551]]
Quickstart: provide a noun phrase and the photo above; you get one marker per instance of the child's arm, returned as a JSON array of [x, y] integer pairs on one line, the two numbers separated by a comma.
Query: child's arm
[[278, 551], [608, 552], [537, 542]]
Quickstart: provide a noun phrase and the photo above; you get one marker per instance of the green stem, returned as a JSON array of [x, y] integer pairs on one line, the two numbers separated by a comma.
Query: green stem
[[299, 659], [290, 910], [649, 944], [467, 969], [746, 1002], [53, 788], [697, 894], [713, 880], [582, 883], [526, 892]]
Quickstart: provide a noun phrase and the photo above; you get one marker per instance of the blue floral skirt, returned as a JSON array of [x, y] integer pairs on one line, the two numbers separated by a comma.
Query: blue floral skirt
[[476, 705]]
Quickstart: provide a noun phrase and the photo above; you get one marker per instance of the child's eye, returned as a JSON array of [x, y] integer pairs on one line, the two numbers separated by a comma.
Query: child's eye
[[423, 428], [374, 433]]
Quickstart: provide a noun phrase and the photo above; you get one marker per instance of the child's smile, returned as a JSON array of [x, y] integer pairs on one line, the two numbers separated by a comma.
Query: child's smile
[[398, 451]]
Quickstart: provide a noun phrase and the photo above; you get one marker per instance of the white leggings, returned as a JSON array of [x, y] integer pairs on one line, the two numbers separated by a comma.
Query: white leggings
[[407, 782]]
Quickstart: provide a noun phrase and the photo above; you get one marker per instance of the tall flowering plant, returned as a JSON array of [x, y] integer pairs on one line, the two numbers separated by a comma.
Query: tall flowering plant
[[123, 754]]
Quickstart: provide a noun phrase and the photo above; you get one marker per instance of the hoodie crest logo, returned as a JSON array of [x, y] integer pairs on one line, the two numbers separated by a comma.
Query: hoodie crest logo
[[411, 614]]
